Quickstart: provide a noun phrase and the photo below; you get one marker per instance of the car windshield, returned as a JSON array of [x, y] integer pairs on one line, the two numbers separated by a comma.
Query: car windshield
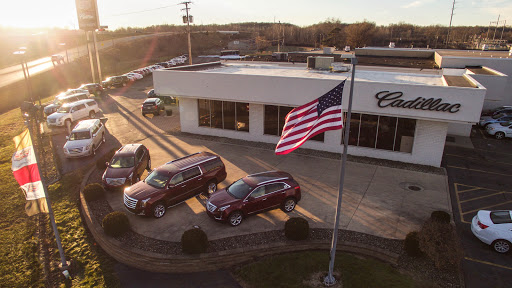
[[239, 189], [498, 116], [64, 109], [157, 179], [122, 162], [80, 135]]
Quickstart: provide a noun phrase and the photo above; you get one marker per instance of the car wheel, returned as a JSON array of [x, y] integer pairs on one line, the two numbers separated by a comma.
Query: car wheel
[[211, 187], [501, 246], [235, 218], [103, 138], [143, 115], [92, 114], [93, 150], [159, 210], [289, 204], [148, 167], [499, 135]]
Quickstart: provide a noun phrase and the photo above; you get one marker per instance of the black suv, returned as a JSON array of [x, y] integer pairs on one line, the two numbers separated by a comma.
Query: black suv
[[115, 81], [93, 88]]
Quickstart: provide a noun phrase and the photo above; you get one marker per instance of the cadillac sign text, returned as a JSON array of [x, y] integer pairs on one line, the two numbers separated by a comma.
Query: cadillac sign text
[[394, 99]]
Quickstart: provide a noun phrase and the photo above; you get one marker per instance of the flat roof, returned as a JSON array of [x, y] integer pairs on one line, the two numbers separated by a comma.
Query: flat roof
[[474, 53], [363, 73]]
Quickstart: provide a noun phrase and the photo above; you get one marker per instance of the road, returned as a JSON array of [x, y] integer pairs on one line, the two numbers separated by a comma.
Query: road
[[14, 73], [480, 179]]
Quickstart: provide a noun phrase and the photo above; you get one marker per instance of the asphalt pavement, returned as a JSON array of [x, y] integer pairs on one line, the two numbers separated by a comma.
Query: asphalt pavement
[[480, 178]]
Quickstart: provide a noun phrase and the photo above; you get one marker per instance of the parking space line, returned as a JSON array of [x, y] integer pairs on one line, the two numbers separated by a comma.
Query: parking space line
[[488, 263], [486, 207], [476, 159], [493, 151], [481, 197], [476, 170], [456, 186], [469, 190]]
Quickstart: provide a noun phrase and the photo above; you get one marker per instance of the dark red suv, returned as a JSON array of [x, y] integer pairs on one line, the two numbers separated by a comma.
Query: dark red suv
[[253, 194], [126, 167], [174, 182]]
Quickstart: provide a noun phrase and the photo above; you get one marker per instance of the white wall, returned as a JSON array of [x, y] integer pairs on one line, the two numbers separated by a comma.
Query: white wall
[[459, 129], [427, 148]]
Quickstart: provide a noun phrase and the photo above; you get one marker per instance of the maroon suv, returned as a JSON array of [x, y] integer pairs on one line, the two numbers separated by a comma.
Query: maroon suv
[[126, 167], [174, 182], [253, 194]]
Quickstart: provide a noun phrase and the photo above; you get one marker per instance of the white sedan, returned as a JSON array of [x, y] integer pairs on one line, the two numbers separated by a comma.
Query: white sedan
[[499, 130], [135, 76], [494, 228]]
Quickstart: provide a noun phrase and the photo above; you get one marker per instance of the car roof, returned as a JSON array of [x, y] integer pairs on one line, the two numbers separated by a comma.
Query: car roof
[[151, 100], [264, 177], [128, 149], [78, 102], [84, 125], [186, 162]]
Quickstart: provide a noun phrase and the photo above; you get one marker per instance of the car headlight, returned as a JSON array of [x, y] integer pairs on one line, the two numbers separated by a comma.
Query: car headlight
[[224, 208], [143, 202], [88, 147]]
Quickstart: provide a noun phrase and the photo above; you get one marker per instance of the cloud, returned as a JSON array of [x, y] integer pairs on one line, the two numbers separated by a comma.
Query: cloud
[[413, 4]]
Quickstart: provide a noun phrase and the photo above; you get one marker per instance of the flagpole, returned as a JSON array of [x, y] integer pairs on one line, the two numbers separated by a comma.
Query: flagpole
[[64, 263], [329, 279]]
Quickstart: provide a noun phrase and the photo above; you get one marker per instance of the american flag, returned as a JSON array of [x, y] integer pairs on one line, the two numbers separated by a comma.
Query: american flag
[[315, 117]]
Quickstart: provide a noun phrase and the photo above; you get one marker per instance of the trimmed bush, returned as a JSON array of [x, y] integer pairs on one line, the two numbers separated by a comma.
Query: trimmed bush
[[296, 228], [115, 224], [100, 163], [194, 241], [412, 244], [93, 191], [440, 216], [439, 241]]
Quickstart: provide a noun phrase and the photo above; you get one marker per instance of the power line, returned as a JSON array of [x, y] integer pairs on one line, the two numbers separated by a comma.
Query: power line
[[142, 11]]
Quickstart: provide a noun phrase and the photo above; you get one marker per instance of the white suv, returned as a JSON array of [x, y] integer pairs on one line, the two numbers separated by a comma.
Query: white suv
[[85, 138], [72, 112]]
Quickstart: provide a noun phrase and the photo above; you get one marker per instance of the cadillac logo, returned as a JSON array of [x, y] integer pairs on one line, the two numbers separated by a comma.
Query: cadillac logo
[[393, 99]]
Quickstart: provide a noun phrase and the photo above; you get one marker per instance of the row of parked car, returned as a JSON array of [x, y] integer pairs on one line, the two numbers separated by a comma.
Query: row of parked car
[[186, 177], [498, 122]]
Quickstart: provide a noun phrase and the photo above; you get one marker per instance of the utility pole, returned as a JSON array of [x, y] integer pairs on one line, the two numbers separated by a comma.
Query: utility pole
[[450, 27], [188, 30]]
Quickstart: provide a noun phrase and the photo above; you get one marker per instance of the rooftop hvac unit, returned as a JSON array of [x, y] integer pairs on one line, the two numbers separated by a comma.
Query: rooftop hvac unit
[[323, 63], [311, 62]]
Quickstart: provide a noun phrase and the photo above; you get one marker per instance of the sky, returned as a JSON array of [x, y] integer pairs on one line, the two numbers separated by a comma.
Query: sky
[[142, 13]]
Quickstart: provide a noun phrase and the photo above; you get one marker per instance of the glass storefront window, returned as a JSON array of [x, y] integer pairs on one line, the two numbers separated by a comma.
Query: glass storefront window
[[405, 135], [368, 130], [386, 134], [223, 114], [242, 116], [229, 115], [271, 120], [204, 112], [216, 112]]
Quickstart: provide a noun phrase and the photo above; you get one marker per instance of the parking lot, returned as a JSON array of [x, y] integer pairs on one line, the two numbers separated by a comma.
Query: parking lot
[[480, 179]]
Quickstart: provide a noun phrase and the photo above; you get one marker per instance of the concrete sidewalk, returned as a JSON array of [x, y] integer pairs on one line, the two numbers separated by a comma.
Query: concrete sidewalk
[[376, 199]]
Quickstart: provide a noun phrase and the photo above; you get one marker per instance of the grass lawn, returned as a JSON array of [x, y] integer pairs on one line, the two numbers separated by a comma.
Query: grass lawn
[[21, 264], [292, 270]]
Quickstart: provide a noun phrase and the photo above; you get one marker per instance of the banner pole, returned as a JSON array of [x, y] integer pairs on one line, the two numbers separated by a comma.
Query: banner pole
[[50, 211], [329, 279]]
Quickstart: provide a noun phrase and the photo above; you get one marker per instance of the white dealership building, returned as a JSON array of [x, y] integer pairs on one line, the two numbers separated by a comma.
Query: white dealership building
[[400, 114]]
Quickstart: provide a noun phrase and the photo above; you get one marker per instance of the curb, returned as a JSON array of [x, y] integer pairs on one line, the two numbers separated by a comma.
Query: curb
[[164, 263]]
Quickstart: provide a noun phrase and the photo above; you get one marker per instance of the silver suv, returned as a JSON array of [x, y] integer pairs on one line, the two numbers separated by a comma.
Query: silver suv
[[72, 112], [85, 138]]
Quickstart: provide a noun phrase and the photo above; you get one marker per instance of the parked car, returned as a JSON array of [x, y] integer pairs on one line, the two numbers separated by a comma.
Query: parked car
[[126, 167], [72, 112], [57, 58], [85, 138], [499, 118], [175, 182], [74, 91], [133, 76], [115, 81], [494, 228], [347, 49], [498, 110], [165, 99], [163, 64], [93, 88], [58, 102], [254, 194], [152, 106], [499, 130]]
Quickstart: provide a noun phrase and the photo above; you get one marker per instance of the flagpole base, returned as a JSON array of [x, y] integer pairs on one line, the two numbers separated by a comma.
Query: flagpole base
[[329, 281]]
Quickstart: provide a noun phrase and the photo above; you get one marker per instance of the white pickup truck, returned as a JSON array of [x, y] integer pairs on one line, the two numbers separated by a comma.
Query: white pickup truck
[[72, 112]]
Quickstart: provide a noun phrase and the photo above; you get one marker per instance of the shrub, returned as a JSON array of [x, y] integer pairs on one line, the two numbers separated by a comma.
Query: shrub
[[100, 163], [93, 191], [296, 228], [412, 244], [194, 241], [440, 216], [439, 241], [115, 223]]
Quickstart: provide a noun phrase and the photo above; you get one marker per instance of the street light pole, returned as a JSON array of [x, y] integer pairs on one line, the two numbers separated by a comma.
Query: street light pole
[[188, 31]]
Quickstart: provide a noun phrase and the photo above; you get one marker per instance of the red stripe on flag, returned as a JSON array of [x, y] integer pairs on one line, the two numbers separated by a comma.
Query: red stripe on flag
[[27, 174]]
